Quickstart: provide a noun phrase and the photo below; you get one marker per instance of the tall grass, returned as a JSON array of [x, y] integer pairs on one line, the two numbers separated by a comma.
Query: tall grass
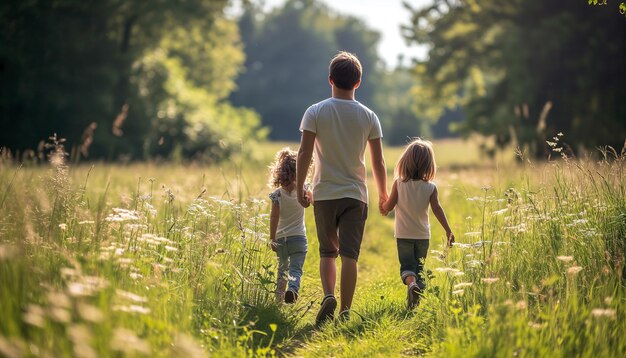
[[165, 260], [88, 269]]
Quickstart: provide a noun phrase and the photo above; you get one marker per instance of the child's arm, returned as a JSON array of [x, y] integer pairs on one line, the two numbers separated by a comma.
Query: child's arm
[[393, 199], [274, 214], [441, 216], [379, 169], [305, 153]]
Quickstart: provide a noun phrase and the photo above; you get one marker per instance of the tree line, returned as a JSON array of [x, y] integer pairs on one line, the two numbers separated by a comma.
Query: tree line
[[524, 70], [186, 79], [122, 79]]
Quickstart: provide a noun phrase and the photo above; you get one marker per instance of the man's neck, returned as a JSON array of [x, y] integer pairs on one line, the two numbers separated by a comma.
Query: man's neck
[[343, 94]]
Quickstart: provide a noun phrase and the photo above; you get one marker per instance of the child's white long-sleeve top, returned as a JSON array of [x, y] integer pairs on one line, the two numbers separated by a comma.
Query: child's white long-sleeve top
[[412, 209], [291, 217]]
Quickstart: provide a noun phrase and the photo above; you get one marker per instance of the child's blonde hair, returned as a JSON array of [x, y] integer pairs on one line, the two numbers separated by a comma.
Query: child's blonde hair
[[417, 162], [283, 170]]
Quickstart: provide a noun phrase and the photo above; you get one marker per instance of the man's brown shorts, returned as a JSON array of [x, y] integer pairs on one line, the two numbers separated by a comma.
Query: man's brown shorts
[[340, 224]]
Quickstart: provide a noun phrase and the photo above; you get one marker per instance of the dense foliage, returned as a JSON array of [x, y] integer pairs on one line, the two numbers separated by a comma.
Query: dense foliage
[[152, 77], [524, 70]]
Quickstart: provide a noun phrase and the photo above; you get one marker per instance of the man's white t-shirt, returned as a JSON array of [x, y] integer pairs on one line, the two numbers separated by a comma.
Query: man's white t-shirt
[[342, 129]]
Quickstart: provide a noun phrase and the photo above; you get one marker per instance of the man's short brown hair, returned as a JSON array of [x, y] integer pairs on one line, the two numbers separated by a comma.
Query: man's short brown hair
[[345, 70]]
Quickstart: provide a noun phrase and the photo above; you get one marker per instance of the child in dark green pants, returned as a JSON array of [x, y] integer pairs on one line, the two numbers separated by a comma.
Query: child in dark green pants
[[412, 193]]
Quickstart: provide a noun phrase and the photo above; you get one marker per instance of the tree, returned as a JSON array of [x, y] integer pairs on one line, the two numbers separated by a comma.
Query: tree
[[287, 57], [524, 70], [66, 64], [395, 102]]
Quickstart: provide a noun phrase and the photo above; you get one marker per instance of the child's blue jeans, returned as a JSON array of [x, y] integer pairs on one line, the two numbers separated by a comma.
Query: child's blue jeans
[[291, 253], [412, 254]]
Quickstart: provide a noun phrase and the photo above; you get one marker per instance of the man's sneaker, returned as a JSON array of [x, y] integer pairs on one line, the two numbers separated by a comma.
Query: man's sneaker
[[291, 296], [327, 310], [413, 296]]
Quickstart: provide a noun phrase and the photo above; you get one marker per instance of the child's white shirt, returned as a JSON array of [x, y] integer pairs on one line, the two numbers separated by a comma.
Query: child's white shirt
[[291, 215], [412, 209], [342, 128]]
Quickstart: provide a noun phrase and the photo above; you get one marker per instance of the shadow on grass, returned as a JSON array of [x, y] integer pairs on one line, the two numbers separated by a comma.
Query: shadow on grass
[[290, 330]]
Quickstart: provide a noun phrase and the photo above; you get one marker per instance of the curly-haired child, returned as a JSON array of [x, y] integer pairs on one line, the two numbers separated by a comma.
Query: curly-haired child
[[287, 229]]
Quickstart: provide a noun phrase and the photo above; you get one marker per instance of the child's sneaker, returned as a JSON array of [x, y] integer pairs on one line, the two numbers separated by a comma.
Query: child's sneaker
[[413, 296], [291, 296], [327, 311]]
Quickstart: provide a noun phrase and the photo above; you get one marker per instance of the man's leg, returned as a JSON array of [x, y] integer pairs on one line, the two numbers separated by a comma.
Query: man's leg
[[326, 223], [328, 275], [349, 274], [351, 225]]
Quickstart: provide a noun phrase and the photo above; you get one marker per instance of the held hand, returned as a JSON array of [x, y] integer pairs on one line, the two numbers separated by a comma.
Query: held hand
[[273, 245], [381, 206], [450, 239], [382, 199], [303, 199]]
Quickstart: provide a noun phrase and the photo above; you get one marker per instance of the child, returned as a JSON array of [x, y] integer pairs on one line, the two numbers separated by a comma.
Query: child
[[338, 129], [287, 230], [412, 192]]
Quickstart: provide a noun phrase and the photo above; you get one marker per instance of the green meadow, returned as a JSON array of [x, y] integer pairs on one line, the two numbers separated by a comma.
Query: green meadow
[[164, 260]]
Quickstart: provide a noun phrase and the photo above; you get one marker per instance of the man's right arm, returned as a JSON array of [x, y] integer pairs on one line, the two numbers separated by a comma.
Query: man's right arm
[[305, 153]]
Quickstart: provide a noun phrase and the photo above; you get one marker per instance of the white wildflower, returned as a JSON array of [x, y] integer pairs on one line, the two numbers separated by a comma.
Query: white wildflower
[[135, 275], [473, 263], [122, 215], [126, 341], [163, 240], [59, 314], [90, 313], [490, 280], [132, 309], [86, 286], [186, 346], [12, 348], [34, 316], [500, 212], [131, 296], [170, 248], [604, 312], [462, 285], [59, 299], [574, 270]]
